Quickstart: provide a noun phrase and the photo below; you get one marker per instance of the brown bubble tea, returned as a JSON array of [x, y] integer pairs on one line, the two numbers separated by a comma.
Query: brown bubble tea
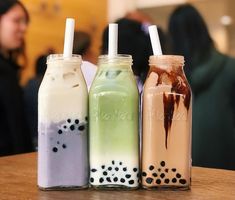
[[167, 122]]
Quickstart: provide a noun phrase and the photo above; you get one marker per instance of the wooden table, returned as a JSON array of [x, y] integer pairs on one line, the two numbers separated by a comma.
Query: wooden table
[[18, 182]]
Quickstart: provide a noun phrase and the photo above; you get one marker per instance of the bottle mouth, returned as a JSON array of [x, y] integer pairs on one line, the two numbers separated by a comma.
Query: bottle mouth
[[60, 57], [166, 60], [119, 58]]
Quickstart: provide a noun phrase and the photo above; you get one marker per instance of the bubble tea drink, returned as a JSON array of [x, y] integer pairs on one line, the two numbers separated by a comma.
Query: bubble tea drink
[[62, 125], [167, 118]]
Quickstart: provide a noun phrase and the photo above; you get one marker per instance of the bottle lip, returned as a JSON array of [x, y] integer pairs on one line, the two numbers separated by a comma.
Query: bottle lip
[[173, 59], [119, 58], [60, 57]]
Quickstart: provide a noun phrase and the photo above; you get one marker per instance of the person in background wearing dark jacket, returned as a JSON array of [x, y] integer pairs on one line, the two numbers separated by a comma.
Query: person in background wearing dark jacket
[[211, 75], [14, 137]]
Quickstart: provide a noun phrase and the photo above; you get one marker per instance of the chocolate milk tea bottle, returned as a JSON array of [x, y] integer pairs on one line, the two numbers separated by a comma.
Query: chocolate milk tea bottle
[[113, 125], [167, 121], [62, 125]]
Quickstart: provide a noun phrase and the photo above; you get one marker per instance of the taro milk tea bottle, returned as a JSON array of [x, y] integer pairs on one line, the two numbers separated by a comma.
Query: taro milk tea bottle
[[167, 121], [62, 125]]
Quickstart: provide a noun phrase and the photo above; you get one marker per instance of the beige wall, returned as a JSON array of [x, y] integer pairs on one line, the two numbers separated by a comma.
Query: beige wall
[[47, 24]]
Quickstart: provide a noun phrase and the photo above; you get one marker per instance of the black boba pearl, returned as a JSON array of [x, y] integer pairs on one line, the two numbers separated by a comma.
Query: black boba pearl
[[105, 173], [138, 175], [128, 176], [135, 169], [120, 163], [103, 166], [60, 131], [68, 120], [163, 163], [167, 181], [173, 169], [159, 169], [76, 121], [58, 142], [93, 170], [158, 181], [151, 167], [101, 180], [162, 175], [86, 118], [144, 174], [149, 180], [154, 174], [65, 127], [115, 179], [178, 175], [116, 168], [182, 181], [81, 128], [131, 182], [166, 170], [54, 149], [108, 179], [91, 180], [124, 169], [113, 162], [64, 146], [122, 180], [109, 168], [72, 127], [174, 180]]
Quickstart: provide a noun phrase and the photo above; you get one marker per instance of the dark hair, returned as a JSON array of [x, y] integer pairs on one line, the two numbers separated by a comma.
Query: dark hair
[[82, 42], [189, 34], [134, 41], [41, 65], [5, 6]]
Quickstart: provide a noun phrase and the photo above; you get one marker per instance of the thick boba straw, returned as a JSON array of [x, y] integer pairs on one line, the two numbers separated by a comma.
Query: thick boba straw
[[113, 40], [68, 37], [155, 42]]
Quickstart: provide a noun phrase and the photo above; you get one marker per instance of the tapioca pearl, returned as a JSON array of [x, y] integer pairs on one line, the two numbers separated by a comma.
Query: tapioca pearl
[[120, 163], [131, 182], [58, 142], [91, 180], [124, 169], [163, 163], [162, 175], [158, 181], [151, 167], [174, 180], [166, 180], [105, 173], [65, 127], [64, 146], [154, 174], [103, 166], [149, 180], [159, 169], [69, 120], [115, 179], [81, 128], [60, 131], [72, 127], [93, 170], [108, 179], [138, 174], [76, 121], [166, 170], [116, 168], [178, 175], [109, 168], [101, 180], [54, 149], [182, 181], [113, 162], [122, 180], [173, 169], [135, 169], [128, 176], [144, 174]]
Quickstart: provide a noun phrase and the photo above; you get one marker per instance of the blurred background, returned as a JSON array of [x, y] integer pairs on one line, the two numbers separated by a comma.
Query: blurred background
[[46, 30]]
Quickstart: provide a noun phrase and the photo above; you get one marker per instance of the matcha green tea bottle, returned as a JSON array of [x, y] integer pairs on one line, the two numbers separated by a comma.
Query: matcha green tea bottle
[[113, 124]]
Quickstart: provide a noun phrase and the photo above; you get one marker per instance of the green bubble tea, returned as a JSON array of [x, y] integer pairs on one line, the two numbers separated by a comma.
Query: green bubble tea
[[113, 125]]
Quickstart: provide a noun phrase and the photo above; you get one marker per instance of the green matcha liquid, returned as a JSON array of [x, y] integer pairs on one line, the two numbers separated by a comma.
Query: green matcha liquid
[[113, 125]]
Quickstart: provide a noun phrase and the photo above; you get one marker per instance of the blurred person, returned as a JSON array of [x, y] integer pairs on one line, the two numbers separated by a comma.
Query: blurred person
[[14, 136], [82, 46], [211, 75]]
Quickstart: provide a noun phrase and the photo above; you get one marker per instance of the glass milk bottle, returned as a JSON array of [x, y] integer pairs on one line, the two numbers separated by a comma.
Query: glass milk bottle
[[113, 125], [167, 122], [62, 125]]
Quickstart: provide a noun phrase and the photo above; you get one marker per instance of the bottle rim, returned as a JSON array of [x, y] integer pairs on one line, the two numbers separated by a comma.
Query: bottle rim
[[60, 57], [166, 60]]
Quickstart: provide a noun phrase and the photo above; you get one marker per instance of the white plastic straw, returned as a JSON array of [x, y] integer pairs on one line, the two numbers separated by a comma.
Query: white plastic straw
[[68, 37], [154, 37], [113, 40]]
